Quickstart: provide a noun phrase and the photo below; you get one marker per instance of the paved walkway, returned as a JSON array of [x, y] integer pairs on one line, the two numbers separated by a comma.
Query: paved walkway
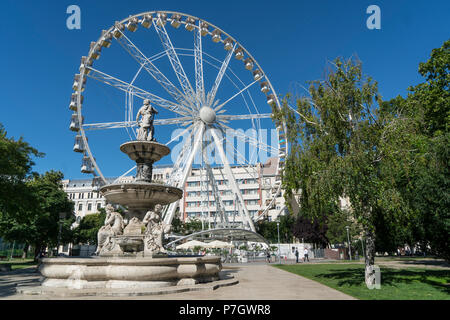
[[256, 282]]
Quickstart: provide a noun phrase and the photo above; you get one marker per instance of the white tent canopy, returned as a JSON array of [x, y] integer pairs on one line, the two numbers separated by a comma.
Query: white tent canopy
[[219, 244], [192, 244]]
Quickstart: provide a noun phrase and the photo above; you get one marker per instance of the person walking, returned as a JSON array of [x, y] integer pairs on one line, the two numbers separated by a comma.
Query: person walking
[[305, 255], [268, 256], [296, 256]]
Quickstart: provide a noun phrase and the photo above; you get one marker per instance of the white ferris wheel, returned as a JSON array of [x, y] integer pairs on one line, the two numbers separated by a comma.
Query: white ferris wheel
[[203, 83]]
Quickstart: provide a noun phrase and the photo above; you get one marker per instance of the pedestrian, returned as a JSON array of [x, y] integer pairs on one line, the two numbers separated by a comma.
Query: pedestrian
[[305, 255], [296, 256], [268, 256]]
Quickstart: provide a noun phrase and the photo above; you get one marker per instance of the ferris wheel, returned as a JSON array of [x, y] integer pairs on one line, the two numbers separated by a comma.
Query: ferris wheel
[[204, 84]]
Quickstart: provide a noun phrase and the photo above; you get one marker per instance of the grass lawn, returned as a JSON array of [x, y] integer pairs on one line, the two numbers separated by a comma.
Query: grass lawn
[[396, 284], [20, 263]]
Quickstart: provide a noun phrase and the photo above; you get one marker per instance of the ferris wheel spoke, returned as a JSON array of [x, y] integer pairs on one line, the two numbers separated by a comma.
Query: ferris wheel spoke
[[187, 168], [130, 124], [215, 191], [220, 106], [251, 140], [179, 163], [177, 168], [127, 87], [174, 60], [123, 175], [231, 178], [223, 68], [245, 116], [147, 64], [198, 53], [180, 134]]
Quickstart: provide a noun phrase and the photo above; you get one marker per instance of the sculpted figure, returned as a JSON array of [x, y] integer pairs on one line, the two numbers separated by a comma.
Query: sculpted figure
[[147, 114], [155, 229], [113, 226]]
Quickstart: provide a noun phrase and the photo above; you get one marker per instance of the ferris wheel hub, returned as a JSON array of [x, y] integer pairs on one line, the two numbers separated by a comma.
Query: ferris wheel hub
[[207, 115]]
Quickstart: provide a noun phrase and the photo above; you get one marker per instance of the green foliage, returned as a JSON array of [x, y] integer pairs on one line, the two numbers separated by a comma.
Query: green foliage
[[429, 101], [179, 227], [16, 162], [86, 231], [337, 232], [38, 222], [311, 230], [30, 204], [336, 148], [422, 175], [269, 229]]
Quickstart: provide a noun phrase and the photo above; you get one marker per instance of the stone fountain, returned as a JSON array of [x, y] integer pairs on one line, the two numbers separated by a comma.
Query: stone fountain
[[130, 253]]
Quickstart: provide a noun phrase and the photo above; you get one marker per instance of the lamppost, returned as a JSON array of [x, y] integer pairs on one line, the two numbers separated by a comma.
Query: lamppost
[[279, 251], [62, 215], [349, 245]]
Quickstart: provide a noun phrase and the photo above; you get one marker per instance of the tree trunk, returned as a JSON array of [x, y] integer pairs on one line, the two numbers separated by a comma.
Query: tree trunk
[[25, 251], [370, 258], [37, 251]]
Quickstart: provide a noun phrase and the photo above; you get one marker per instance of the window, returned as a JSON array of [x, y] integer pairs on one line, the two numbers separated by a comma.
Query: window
[[80, 207], [78, 219], [89, 206], [99, 205], [193, 204]]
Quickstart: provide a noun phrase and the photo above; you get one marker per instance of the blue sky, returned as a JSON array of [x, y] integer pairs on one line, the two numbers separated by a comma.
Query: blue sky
[[291, 40]]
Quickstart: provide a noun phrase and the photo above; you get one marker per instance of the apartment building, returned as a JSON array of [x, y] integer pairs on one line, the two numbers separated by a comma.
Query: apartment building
[[258, 185]]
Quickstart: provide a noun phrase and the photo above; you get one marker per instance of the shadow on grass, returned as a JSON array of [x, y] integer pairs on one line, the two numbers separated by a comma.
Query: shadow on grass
[[391, 277], [438, 263]]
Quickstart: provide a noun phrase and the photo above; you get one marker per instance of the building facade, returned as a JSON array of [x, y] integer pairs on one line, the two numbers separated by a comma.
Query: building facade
[[258, 185]]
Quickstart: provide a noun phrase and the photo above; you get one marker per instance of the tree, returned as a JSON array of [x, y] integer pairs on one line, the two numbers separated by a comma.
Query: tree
[[336, 228], [50, 200], [311, 230], [16, 162], [422, 174], [191, 226], [268, 229], [38, 221], [86, 231], [338, 151]]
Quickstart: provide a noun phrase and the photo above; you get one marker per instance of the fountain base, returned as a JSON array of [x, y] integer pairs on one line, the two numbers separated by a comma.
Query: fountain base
[[128, 273]]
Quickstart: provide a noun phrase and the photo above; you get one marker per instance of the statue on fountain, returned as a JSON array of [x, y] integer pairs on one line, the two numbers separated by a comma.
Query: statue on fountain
[[113, 226], [145, 132], [155, 230]]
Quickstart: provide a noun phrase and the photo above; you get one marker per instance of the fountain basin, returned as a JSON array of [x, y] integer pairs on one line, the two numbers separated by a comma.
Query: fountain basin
[[130, 243], [145, 150], [141, 196], [100, 272]]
